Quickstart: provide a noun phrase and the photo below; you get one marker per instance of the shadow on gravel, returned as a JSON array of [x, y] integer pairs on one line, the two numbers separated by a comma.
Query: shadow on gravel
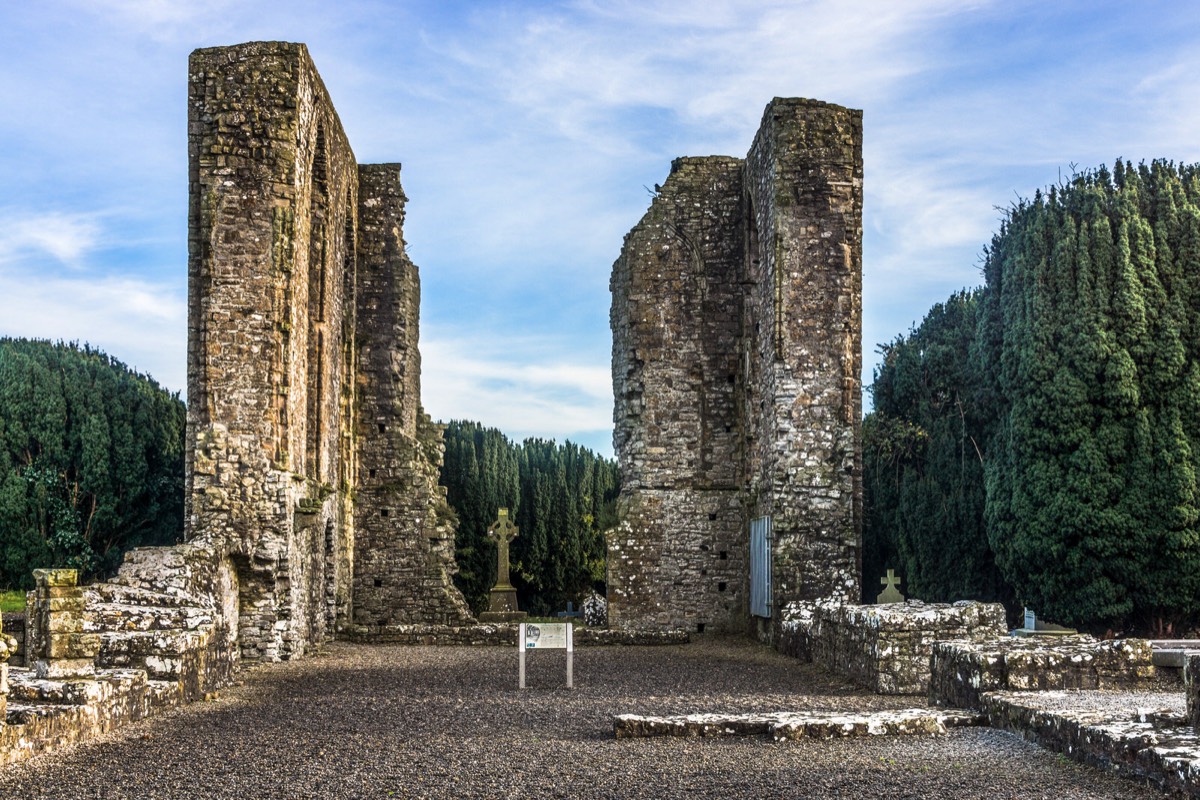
[[367, 722]]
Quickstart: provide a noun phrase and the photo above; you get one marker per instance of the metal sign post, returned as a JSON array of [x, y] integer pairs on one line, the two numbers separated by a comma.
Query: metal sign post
[[546, 636]]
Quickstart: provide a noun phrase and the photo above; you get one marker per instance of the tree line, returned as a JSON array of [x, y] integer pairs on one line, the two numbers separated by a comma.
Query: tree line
[[562, 497], [91, 460], [1037, 440]]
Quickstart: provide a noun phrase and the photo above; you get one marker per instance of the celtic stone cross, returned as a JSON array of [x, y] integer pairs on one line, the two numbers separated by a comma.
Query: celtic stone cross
[[502, 532]]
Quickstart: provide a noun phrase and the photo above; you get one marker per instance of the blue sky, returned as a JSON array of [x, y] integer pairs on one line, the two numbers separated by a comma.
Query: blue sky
[[528, 132]]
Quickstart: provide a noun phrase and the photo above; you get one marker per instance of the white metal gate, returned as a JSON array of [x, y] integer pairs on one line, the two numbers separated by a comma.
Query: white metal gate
[[760, 567]]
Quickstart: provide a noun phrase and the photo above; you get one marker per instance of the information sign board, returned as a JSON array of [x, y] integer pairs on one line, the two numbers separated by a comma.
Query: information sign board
[[546, 636]]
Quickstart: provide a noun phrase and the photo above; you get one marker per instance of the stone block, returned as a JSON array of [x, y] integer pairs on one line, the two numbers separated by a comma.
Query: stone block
[[64, 668], [71, 646], [64, 623], [55, 578]]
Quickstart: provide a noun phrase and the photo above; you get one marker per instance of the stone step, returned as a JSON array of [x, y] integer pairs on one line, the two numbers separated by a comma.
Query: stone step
[[798, 725], [118, 617], [182, 571], [137, 596], [162, 654], [24, 713], [25, 687]]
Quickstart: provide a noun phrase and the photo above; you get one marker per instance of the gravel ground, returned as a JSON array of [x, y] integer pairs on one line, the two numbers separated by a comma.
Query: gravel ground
[[361, 721]]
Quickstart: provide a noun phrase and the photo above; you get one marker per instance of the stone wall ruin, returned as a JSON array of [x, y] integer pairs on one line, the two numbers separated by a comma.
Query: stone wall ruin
[[737, 341], [312, 468]]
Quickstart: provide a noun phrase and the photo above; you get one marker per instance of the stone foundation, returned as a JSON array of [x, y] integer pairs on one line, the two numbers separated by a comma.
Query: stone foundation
[[962, 671], [884, 648], [1151, 746], [789, 726]]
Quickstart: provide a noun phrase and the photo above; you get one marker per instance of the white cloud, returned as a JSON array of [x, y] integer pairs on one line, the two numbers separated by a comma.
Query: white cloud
[[66, 237], [160, 19], [141, 323], [519, 385]]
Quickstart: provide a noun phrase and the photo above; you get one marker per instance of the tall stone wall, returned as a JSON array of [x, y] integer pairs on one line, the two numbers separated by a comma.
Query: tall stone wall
[[280, 392], [270, 173], [736, 323], [803, 339], [677, 559], [405, 544]]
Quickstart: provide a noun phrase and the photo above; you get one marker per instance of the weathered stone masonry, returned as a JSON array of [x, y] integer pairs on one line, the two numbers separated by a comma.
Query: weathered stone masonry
[[736, 318], [272, 219], [313, 471], [404, 545]]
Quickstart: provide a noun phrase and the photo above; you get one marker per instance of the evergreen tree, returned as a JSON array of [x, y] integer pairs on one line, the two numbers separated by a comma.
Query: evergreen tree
[[1091, 469], [923, 464], [91, 460], [562, 497], [1081, 385]]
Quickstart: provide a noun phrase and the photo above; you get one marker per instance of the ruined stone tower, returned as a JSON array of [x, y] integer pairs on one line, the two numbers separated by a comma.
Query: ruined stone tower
[[737, 341], [312, 472]]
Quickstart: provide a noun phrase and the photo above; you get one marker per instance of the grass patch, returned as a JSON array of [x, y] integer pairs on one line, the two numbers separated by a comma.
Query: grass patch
[[12, 601]]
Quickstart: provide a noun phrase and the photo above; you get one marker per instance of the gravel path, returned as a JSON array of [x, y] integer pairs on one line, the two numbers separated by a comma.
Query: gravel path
[[382, 722]]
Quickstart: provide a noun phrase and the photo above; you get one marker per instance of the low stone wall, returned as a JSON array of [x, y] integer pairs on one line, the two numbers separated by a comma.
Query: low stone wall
[[500, 634], [45, 714], [963, 671], [884, 648], [108, 654], [1191, 683], [1147, 745]]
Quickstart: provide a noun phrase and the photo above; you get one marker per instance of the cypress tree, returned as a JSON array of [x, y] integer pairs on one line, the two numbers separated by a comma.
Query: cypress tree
[[562, 497]]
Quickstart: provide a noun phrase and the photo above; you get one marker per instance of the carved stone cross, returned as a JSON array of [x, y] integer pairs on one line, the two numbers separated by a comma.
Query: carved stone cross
[[891, 592], [502, 532]]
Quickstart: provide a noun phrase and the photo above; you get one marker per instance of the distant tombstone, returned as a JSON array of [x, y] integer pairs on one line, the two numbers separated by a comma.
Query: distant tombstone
[[1035, 627], [890, 593], [502, 606]]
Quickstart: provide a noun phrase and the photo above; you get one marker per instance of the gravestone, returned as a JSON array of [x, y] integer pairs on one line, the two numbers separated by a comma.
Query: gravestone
[[890, 593], [1035, 627], [503, 604]]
